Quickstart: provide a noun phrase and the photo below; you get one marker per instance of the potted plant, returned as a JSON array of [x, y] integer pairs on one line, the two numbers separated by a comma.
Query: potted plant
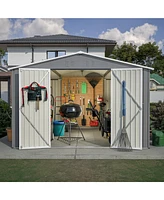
[[5, 118]]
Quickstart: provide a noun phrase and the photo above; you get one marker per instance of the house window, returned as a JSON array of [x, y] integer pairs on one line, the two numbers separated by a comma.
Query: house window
[[4, 91], [53, 54]]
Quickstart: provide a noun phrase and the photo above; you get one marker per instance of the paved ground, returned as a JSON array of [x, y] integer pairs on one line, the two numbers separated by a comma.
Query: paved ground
[[77, 152]]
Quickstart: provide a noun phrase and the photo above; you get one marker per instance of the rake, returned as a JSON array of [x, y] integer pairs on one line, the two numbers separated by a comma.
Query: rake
[[123, 141]]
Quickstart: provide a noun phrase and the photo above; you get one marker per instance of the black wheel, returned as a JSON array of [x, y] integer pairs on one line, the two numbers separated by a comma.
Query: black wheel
[[102, 132], [109, 139]]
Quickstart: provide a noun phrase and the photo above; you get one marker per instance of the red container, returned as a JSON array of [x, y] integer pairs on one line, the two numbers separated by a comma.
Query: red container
[[94, 123]]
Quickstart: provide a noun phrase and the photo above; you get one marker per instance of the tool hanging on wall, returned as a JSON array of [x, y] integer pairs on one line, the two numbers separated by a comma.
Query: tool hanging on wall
[[77, 87], [34, 93], [83, 121], [84, 88], [65, 90], [73, 94], [69, 87], [89, 106]]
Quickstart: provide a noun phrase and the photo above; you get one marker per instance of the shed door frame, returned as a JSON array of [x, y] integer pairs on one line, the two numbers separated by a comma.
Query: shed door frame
[[47, 141], [138, 104]]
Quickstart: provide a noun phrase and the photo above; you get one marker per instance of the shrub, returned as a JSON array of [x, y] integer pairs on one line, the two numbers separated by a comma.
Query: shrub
[[5, 116], [157, 115]]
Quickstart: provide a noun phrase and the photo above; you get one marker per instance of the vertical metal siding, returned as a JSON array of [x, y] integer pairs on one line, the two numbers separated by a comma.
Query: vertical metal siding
[[146, 109], [15, 108], [107, 92], [34, 125], [133, 78]]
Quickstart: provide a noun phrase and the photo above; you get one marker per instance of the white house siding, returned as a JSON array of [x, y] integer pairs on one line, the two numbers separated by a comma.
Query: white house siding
[[99, 51], [34, 126], [4, 90], [156, 96], [19, 55], [23, 55], [133, 80]]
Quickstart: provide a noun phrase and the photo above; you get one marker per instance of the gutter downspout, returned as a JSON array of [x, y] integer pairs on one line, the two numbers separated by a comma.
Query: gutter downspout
[[87, 48], [32, 53]]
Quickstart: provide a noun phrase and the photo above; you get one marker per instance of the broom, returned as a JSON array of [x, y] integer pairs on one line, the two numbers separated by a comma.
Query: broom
[[123, 141]]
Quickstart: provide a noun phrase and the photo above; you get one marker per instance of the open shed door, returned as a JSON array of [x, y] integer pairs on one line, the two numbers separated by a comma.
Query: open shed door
[[34, 109], [133, 78]]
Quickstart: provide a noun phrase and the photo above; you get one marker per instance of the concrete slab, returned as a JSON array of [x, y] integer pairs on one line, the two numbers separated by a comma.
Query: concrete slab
[[93, 147], [77, 152]]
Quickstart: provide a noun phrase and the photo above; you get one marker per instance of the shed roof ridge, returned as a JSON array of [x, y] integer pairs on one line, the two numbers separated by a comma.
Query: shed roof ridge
[[81, 53]]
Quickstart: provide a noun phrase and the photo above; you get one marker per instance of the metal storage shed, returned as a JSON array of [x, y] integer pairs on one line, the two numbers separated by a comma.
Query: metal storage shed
[[31, 129]]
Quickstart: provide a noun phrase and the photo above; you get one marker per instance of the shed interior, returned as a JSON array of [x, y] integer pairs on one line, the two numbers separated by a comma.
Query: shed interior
[[81, 86]]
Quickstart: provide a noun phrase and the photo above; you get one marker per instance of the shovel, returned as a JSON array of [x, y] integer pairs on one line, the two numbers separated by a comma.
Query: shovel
[[83, 121]]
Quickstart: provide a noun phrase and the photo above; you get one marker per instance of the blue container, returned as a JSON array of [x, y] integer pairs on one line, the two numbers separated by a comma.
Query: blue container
[[58, 128]]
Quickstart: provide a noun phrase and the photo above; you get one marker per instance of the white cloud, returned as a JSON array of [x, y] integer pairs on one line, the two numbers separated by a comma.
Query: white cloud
[[138, 35], [44, 27], [5, 28], [14, 28]]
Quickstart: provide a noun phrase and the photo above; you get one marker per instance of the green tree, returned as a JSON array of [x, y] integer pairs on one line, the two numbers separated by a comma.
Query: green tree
[[126, 52], [158, 66], [148, 53], [2, 53]]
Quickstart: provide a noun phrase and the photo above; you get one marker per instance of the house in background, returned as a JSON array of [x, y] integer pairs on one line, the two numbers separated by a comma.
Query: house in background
[[5, 84], [156, 88], [38, 48]]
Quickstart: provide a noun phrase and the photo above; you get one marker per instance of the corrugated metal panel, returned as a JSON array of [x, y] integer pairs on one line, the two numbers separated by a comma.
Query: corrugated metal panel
[[146, 109], [15, 108], [133, 78], [107, 93], [34, 126]]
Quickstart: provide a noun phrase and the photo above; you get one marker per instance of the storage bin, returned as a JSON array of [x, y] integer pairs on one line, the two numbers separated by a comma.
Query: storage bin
[[157, 138], [58, 128]]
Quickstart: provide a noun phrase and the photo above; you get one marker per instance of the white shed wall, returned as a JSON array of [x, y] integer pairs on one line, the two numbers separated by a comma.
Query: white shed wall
[[133, 80], [34, 126]]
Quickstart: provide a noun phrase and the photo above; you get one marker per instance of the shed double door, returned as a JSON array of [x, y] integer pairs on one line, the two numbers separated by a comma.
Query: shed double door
[[133, 78], [34, 121]]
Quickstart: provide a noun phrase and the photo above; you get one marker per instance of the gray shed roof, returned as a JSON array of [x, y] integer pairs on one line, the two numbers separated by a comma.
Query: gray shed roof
[[58, 39], [82, 61]]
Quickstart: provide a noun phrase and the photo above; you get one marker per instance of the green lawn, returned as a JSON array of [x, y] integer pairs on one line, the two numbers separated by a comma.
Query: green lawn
[[81, 170]]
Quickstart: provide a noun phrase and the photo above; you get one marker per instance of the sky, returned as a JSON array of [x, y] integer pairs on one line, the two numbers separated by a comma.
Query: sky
[[133, 30]]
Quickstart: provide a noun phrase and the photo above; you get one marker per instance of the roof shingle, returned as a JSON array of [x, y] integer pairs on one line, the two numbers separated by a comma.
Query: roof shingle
[[58, 39]]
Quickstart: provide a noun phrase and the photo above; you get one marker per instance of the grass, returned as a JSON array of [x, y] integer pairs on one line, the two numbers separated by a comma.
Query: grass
[[81, 170]]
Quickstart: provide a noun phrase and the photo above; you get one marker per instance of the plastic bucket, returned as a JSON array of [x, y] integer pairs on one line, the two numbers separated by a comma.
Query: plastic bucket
[[58, 128]]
